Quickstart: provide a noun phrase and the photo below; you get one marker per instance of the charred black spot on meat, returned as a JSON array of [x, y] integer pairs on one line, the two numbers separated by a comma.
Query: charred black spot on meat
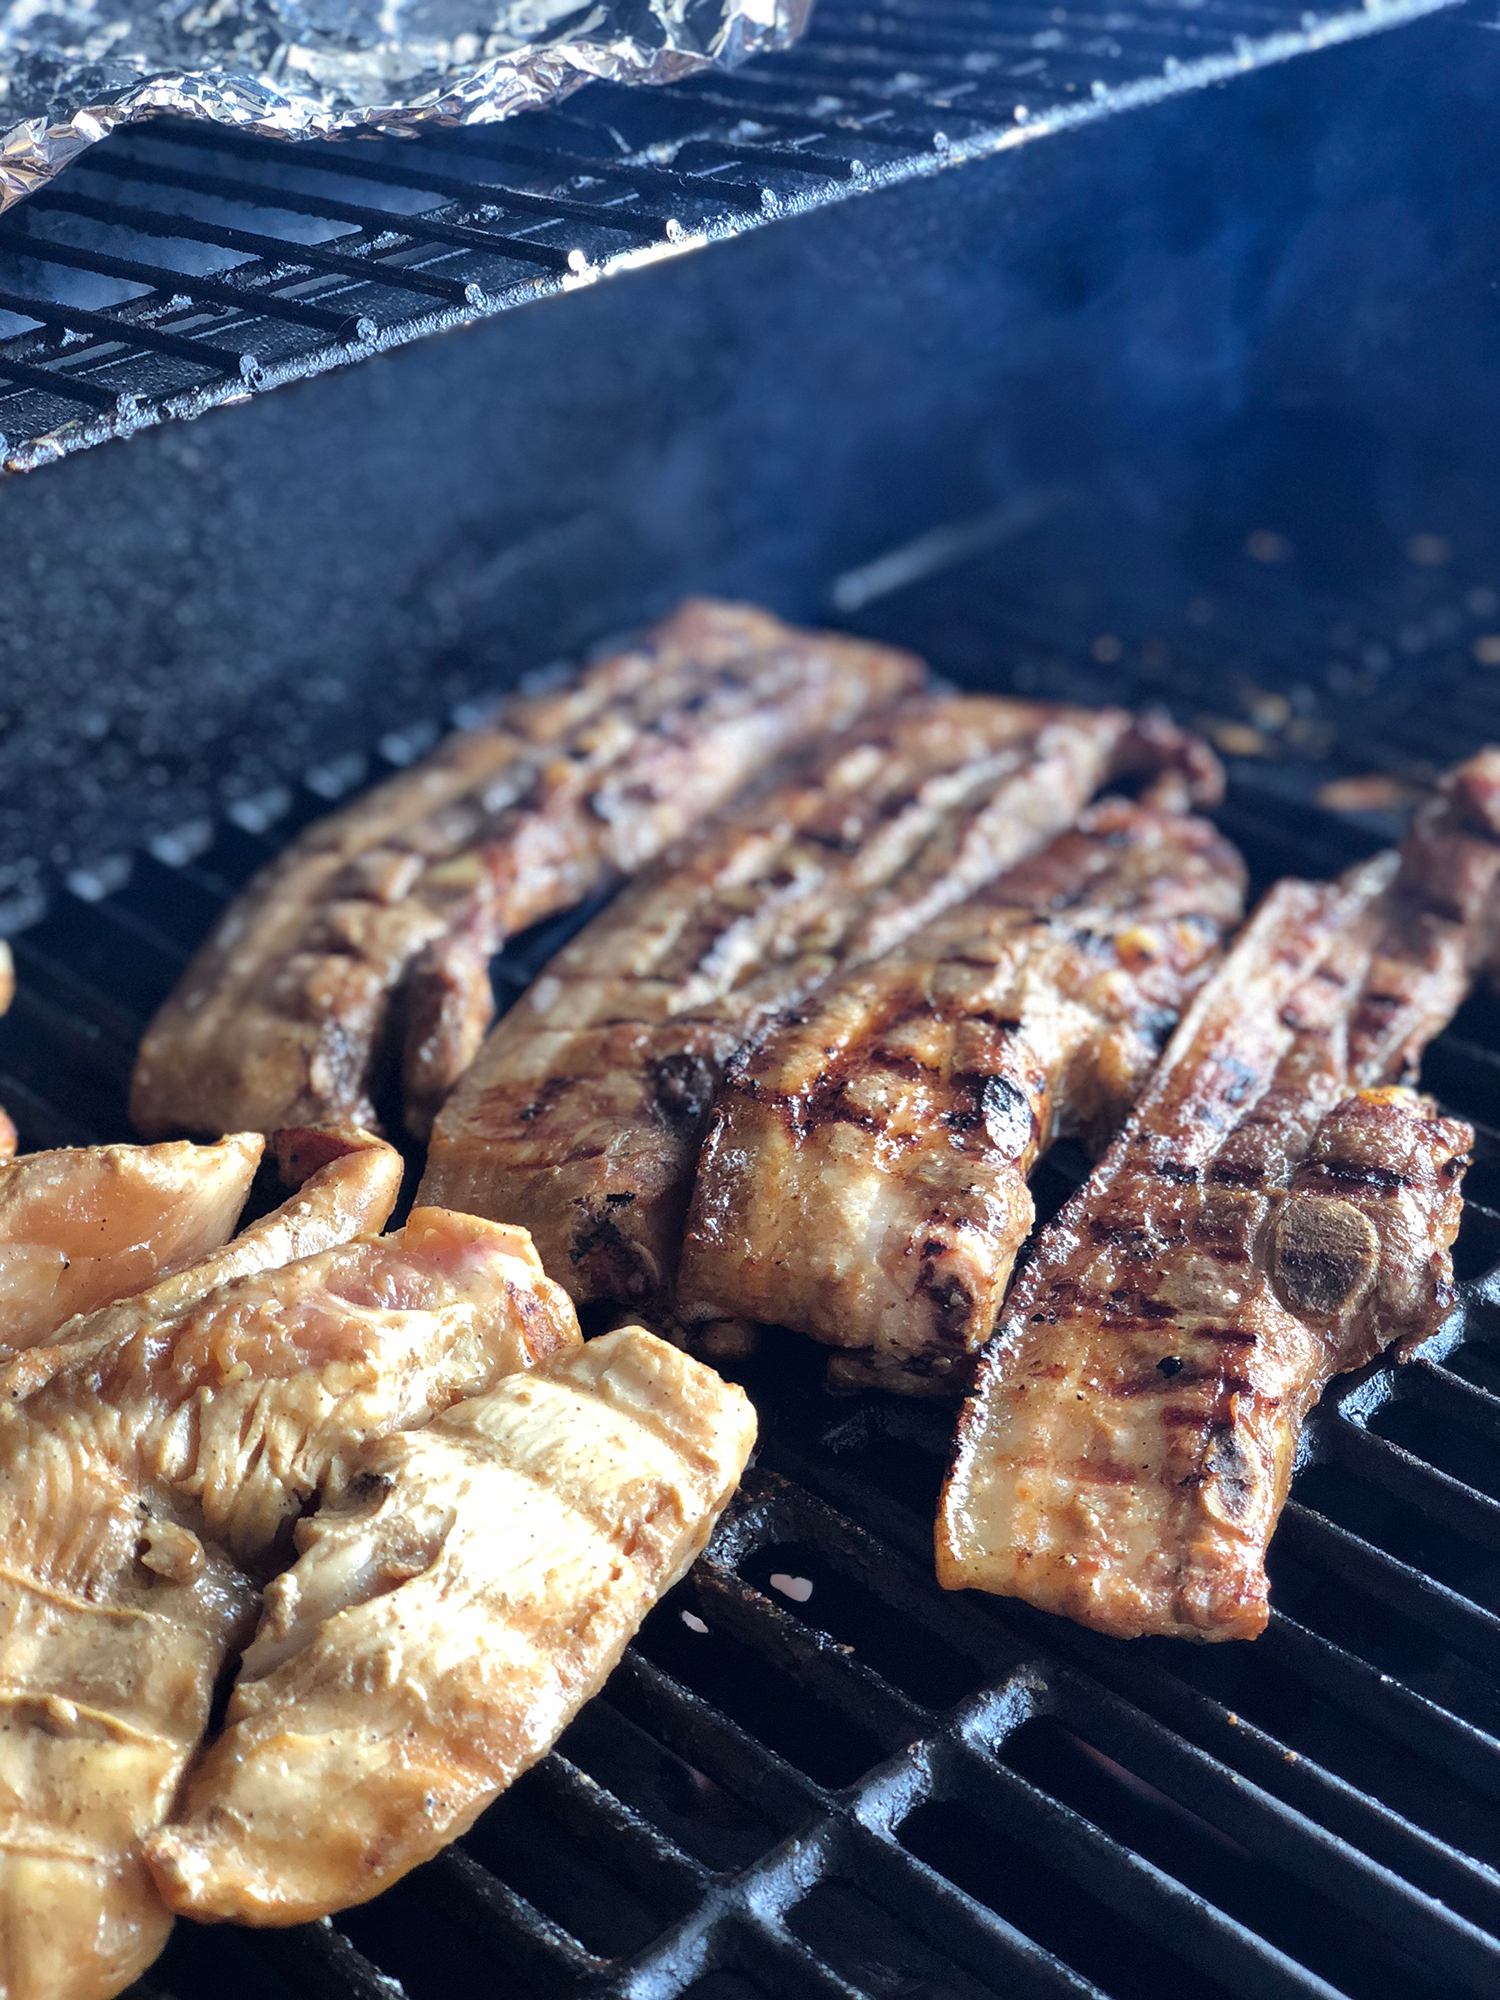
[[612, 1264], [682, 1088], [1353, 1176], [1009, 1119], [1231, 1470], [952, 1301], [552, 1089], [621, 1200], [1169, 1366], [1224, 1173]]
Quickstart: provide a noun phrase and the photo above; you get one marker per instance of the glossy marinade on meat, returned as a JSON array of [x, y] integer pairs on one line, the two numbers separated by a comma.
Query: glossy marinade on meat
[[370, 937], [81, 1225], [449, 1612], [583, 1114], [151, 1469], [865, 1175], [1279, 1209]]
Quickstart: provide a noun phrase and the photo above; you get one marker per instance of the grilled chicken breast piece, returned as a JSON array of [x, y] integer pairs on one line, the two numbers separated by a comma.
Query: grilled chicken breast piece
[[1275, 1212], [584, 1112], [346, 1183], [388, 911], [148, 1475], [87, 1224], [444, 1623], [865, 1174]]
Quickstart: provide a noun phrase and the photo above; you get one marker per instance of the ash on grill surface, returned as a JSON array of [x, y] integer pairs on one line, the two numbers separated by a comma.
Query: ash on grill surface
[[176, 266], [818, 1775]]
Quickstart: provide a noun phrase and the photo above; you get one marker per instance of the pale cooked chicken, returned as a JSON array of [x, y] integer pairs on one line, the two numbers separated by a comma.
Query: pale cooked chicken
[[346, 1183], [584, 1112], [447, 1618], [391, 908], [148, 1472], [1272, 1215], [87, 1224], [865, 1175]]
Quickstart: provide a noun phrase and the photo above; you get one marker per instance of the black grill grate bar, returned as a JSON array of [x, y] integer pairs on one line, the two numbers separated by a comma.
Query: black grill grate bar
[[47, 980], [365, 163], [791, 1968], [422, 227], [275, 250], [499, 1916], [1401, 1712], [1403, 1475], [642, 1855], [1320, 1796], [161, 278], [1266, 1825], [958, 1924], [763, 100], [827, 166], [1446, 1394], [703, 1735], [1456, 1619], [1156, 1902], [1155, 1745], [320, 1961], [58, 382], [46, 1125], [934, 42], [816, 1660], [100, 326], [635, 174]]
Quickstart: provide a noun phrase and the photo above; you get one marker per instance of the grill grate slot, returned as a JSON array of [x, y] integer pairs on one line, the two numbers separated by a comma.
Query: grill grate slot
[[876, 92]]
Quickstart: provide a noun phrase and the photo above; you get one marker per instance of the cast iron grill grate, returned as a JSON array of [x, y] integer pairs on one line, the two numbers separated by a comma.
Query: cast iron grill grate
[[179, 266], [816, 1774]]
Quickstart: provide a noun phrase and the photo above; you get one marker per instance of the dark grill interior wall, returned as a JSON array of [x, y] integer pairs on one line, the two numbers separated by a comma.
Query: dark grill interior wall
[[1263, 305]]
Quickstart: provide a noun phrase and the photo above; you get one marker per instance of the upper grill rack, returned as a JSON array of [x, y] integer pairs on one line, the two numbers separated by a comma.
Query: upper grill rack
[[816, 1775], [178, 266]]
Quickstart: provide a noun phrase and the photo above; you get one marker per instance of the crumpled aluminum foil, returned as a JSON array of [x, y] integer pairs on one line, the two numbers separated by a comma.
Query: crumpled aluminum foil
[[72, 71]]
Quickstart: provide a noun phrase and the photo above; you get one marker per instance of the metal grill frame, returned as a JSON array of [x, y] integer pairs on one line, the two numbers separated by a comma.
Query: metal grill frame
[[880, 92]]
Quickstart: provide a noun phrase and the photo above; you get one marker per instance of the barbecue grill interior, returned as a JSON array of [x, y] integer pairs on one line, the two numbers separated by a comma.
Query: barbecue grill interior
[[1192, 403]]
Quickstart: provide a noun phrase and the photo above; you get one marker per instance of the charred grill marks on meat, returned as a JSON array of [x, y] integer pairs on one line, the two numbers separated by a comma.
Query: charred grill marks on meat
[[1279, 1209], [864, 1179], [583, 1114], [368, 941]]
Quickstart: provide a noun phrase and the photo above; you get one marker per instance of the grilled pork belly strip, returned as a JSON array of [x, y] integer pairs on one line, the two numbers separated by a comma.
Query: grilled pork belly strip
[[864, 1178], [145, 1478], [583, 1114], [446, 1621], [86, 1224], [1273, 1214], [394, 905]]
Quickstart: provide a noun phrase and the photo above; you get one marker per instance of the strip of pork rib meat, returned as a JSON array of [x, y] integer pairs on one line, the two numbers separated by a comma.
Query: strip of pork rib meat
[[864, 1179], [584, 1112], [376, 926], [446, 1620], [1278, 1210], [151, 1470], [86, 1224]]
